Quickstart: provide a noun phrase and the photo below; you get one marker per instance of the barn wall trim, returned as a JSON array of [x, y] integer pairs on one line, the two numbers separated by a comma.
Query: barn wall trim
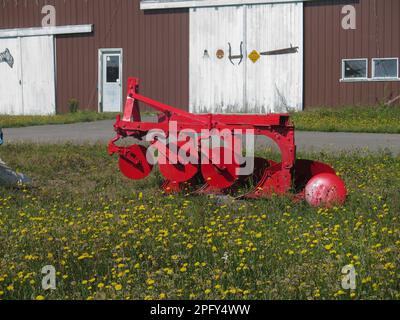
[[147, 5], [48, 31]]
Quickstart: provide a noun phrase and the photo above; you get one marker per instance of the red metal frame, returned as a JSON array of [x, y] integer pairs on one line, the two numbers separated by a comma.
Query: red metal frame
[[277, 127], [314, 181]]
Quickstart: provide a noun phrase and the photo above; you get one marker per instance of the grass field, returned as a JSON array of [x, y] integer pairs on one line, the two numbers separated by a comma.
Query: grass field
[[110, 238], [376, 119], [26, 121]]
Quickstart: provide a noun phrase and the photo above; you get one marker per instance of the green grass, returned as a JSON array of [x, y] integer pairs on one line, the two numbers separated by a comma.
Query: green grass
[[376, 119], [109, 237], [80, 116]]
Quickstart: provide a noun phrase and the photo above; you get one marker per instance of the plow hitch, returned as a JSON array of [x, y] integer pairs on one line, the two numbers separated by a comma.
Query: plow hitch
[[214, 154]]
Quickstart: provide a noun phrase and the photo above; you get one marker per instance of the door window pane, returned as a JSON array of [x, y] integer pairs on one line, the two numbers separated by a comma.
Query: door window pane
[[355, 69], [112, 69], [385, 68]]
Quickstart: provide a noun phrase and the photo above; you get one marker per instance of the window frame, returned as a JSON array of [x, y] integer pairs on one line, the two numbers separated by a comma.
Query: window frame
[[344, 79], [373, 77]]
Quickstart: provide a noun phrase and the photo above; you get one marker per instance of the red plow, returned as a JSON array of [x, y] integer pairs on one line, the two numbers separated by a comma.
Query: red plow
[[203, 154]]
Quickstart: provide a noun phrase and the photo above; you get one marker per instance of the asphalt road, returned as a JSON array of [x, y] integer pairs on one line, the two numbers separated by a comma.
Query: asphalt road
[[102, 131]]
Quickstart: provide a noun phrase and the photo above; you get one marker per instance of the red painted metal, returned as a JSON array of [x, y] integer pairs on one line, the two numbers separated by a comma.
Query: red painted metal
[[221, 177], [177, 170], [219, 173], [133, 162], [325, 189]]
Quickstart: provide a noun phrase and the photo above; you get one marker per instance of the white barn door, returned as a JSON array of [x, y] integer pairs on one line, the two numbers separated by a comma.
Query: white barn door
[[216, 85], [275, 82], [10, 78], [271, 84], [38, 74], [28, 87]]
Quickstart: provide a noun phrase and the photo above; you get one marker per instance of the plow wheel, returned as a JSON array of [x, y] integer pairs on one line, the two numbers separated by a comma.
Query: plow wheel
[[221, 171], [318, 184], [133, 162], [325, 189], [175, 169]]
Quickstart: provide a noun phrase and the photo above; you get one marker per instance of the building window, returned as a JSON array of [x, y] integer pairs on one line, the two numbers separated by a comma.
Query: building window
[[386, 68], [355, 69], [112, 69]]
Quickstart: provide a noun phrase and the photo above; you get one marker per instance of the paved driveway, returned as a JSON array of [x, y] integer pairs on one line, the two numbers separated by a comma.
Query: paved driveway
[[102, 131]]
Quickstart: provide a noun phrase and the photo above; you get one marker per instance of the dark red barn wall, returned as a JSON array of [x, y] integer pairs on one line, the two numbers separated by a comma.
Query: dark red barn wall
[[326, 44], [155, 46]]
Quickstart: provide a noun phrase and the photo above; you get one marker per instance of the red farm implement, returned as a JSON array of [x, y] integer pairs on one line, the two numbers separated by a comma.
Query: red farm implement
[[202, 153]]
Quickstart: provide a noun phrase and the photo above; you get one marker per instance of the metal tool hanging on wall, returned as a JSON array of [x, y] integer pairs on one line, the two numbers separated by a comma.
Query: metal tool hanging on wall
[[7, 57], [280, 51], [235, 57]]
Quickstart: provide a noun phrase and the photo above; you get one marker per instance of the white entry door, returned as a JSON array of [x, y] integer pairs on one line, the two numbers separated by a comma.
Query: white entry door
[[28, 84], [221, 82], [110, 80]]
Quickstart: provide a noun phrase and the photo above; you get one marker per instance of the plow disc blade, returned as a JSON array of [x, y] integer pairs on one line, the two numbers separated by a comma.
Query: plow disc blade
[[318, 183], [178, 172], [268, 183], [221, 172], [176, 169], [133, 164], [251, 183]]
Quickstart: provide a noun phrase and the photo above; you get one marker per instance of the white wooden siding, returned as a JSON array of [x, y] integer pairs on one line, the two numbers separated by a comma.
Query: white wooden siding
[[29, 87], [275, 83], [215, 84], [10, 87], [272, 84], [38, 75]]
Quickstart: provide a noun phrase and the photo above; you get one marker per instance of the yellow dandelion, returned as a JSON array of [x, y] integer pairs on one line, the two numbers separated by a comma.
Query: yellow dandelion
[[118, 287]]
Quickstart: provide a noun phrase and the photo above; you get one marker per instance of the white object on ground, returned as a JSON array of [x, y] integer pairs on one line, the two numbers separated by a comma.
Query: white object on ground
[[10, 178]]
